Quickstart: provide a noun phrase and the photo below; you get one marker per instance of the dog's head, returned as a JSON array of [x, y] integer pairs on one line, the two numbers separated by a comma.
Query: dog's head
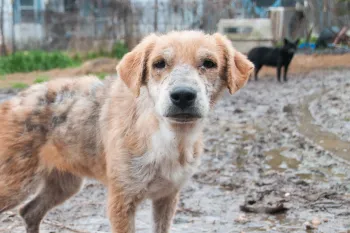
[[290, 46], [184, 72]]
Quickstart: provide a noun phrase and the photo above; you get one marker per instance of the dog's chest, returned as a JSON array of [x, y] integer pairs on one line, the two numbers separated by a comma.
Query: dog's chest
[[160, 170]]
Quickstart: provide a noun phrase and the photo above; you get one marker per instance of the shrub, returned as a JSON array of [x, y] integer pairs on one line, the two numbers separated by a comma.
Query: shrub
[[119, 49], [35, 60]]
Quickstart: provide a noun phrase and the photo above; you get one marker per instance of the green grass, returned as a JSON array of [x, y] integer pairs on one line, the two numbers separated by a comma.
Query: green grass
[[38, 60], [101, 76], [347, 119], [41, 79], [3, 77], [19, 85], [118, 51], [28, 61]]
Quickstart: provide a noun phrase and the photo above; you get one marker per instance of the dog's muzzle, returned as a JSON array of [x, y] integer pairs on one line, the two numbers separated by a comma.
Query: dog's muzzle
[[183, 104]]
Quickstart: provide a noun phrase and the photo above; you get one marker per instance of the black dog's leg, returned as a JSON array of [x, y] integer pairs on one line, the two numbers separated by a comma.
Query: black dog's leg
[[279, 73], [257, 69], [285, 72]]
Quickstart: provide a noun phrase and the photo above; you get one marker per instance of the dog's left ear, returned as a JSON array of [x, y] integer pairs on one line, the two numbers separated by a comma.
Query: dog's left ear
[[235, 67], [285, 41], [297, 41], [132, 69]]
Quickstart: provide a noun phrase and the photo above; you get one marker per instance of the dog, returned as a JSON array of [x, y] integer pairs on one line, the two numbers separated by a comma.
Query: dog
[[139, 134], [275, 57]]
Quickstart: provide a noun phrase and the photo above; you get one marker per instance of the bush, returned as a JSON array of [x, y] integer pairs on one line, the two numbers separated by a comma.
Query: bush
[[119, 49], [35, 60]]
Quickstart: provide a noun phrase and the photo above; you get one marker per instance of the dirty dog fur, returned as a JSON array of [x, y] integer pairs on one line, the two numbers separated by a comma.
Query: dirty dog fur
[[139, 134]]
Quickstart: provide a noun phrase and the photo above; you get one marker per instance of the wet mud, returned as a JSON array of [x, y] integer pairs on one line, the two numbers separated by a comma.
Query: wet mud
[[271, 164]]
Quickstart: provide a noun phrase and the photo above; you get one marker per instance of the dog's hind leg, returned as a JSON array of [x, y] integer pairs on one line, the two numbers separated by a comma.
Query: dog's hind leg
[[58, 187], [257, 69], [279, 67], [285, 72], [18, 179]]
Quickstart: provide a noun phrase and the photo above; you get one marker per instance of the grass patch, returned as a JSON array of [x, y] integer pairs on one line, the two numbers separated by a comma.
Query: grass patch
[[347, 119], [119, 49], [3, 77], [101, 76], [41, 79], [19, 85], [28, 61]]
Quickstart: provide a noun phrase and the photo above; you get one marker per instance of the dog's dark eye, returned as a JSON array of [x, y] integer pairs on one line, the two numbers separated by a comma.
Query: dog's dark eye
[[209, 64], [159, 64]]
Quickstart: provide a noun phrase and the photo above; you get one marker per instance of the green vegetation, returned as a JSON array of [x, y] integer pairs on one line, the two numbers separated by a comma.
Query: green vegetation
[[119, 50], [101, 76], [19, 85], [27, 61], [313, 39], [35, 60], [41, 79]]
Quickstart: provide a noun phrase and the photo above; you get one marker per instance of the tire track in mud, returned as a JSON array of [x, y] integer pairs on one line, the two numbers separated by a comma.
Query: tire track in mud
[[325, 139]]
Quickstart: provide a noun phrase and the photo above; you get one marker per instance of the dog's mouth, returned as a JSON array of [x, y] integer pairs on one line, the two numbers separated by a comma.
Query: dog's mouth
[[183, 118]]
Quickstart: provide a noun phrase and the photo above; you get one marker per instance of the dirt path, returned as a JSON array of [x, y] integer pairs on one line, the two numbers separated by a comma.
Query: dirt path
[[262, 170]]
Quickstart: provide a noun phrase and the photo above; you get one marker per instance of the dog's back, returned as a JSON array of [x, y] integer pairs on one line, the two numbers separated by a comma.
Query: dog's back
[[264, 56], [33, 123]]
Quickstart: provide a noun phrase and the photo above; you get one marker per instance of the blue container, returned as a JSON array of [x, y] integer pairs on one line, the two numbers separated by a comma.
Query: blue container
[[305, 45]]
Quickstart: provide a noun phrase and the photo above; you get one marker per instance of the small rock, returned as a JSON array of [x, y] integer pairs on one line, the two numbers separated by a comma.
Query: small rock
[[288, 108], [287, 194], [238, 110], [242, 219], [309, 226], [316, 221]]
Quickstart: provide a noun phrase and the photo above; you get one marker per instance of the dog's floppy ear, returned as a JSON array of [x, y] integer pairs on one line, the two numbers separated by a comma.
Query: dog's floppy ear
[[297, 41], [132, 69], [235, 67]]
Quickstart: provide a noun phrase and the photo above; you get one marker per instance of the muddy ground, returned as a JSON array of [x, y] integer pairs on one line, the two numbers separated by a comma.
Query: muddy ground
[[276, 160]]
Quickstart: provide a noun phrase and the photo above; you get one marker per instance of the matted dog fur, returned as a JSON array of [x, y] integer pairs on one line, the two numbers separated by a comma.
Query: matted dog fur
[[139, 134]]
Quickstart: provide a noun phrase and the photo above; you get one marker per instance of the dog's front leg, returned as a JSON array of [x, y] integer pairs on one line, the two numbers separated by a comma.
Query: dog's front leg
[[163, 211], [121, 209]]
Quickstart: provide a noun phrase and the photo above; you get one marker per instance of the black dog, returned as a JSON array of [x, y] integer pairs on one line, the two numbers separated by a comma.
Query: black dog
[[276, 57]]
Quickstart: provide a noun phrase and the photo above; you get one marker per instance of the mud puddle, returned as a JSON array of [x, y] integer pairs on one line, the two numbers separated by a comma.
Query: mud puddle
[[325, 139]]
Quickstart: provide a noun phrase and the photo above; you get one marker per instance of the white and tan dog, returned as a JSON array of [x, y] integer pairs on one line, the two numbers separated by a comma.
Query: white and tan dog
[[139, 134]]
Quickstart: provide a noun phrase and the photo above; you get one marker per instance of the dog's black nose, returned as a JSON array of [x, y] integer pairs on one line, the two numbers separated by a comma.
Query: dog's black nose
[[183, 97]]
